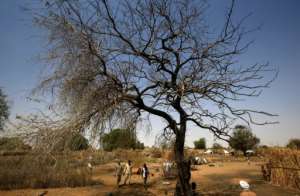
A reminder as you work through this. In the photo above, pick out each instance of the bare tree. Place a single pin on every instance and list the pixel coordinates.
(116, 60)
(42, 132)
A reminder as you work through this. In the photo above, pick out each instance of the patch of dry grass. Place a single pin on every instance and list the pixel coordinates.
(42, 171)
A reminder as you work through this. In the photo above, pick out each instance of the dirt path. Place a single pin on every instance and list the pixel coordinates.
(223, 179)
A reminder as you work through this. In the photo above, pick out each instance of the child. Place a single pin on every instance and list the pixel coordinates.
(145, 174)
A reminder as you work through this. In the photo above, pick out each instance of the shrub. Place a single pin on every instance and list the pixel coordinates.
(120, 138)
(139, 145)
(78, 142)
(200, 144)
(156, 153)
(294, 144)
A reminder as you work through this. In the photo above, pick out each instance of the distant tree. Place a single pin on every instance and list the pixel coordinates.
(243, 139)
(217, 146)
(294, 144)
(139, 145)
(4, 109)
(200, 144)
(120, 138)
(77, 142)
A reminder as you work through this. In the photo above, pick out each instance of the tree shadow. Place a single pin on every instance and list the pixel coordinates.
(134, 189)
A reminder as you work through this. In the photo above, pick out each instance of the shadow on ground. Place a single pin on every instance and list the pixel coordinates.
(132, 189)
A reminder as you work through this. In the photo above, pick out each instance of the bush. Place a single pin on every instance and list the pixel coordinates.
(156, 153)
(71, 142)
(139, 145)
(200, 144)
(78, 142)
(120, 138)
(294, 144)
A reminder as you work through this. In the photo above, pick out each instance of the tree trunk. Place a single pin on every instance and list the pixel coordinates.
(183, 166)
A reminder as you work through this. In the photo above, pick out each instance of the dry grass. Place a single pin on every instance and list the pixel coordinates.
(284, 167)
(42, 171)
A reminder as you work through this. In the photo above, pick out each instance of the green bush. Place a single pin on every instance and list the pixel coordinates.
(120, 138)
(294, 144)
(200, 144)
(78, 142)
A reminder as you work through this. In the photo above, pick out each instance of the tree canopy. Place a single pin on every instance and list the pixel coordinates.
(294, 143)
(4, 109)
(77, 142)
(243, 139)
(120, 138)
(200, 144)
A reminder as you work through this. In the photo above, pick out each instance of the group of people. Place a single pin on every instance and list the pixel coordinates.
(126, 171)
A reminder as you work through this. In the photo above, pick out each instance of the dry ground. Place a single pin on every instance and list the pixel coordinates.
(222, 179)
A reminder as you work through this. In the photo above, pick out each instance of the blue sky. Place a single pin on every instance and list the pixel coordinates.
(278, 42)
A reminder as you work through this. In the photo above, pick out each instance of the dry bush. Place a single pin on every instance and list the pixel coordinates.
(156, 153)
(95, 157)
(136, 156)
(42, 171)
(101, 157)
(284, 166)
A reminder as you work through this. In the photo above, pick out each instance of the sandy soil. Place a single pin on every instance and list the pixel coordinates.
(222, 179)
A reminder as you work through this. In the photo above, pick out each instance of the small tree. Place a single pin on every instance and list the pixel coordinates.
(200, 144)
(120, 138)
(4, 109)
(243, 139)
(77, 142)
(294, 144)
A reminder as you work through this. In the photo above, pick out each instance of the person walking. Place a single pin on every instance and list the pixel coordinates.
(119, 172)
(145, 174)
(128, 172)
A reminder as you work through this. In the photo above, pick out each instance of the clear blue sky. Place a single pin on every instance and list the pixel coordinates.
(278, 42)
